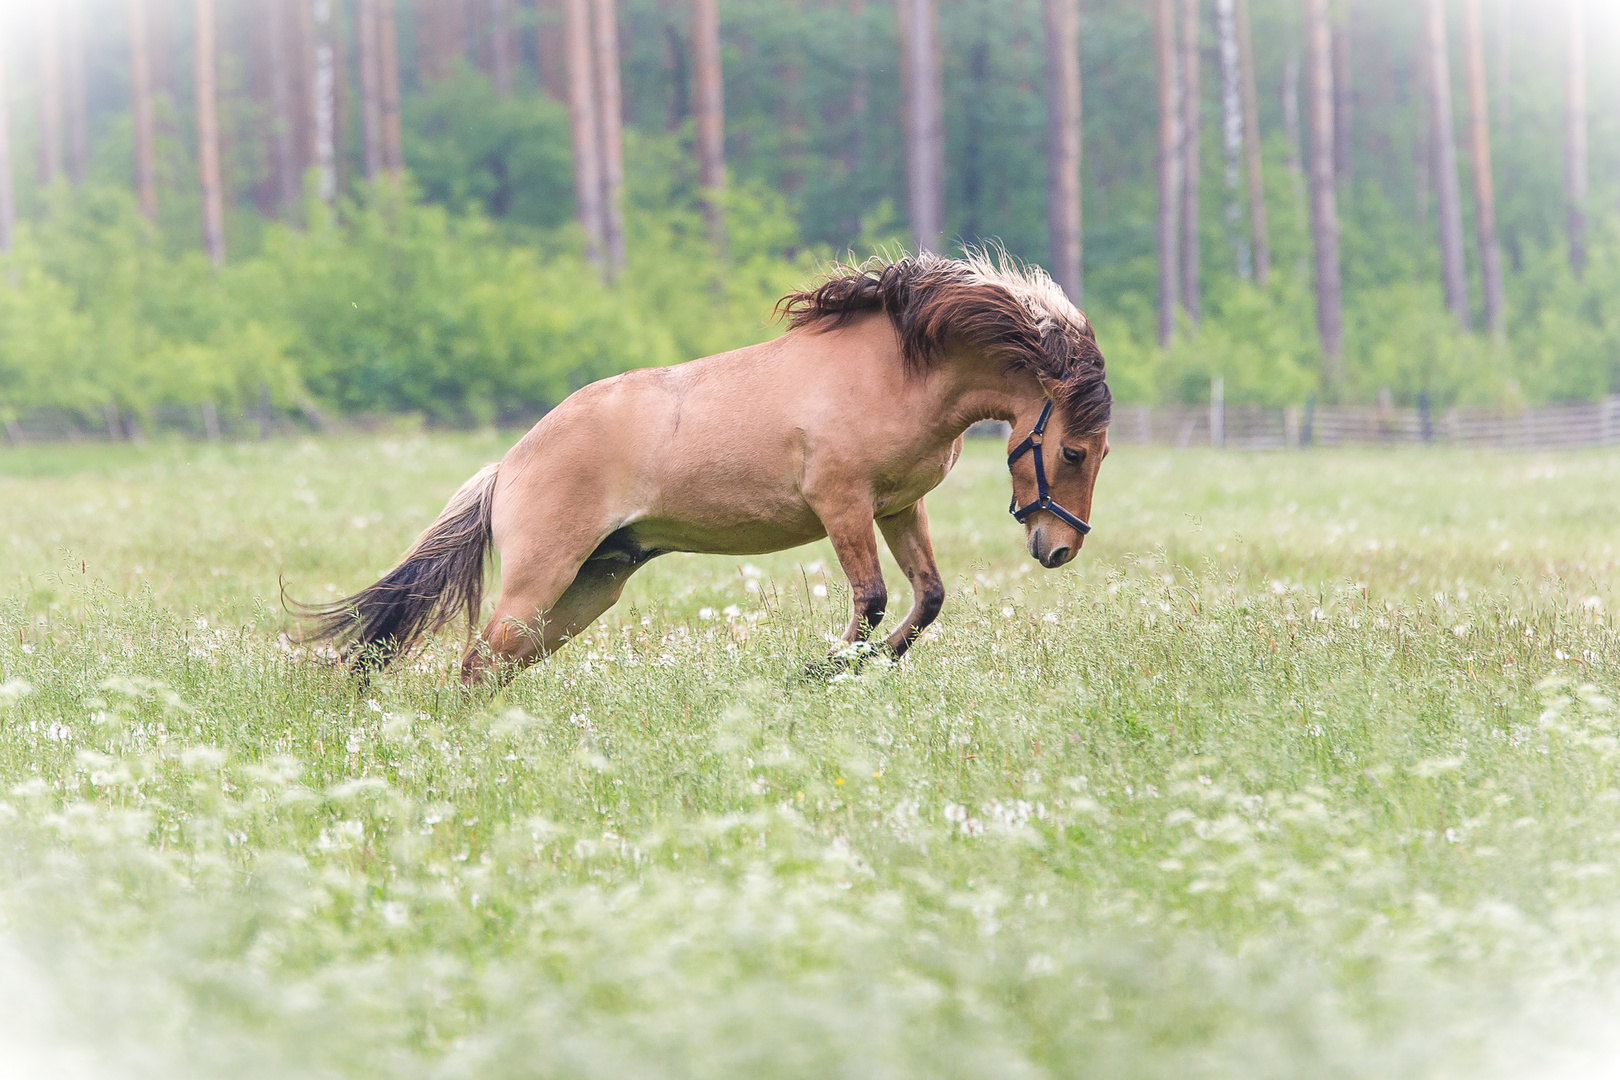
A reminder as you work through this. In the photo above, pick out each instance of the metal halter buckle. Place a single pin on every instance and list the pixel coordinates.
(1043, 497)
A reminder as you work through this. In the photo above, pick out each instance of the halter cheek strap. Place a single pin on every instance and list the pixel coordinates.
(1043, 497)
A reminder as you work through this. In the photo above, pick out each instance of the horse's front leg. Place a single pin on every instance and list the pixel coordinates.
(907, 536)
(855, 543)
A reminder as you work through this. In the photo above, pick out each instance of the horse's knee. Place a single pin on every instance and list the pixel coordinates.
(930, 598)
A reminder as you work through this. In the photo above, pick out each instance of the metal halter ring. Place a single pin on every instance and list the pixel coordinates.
(1043, 497)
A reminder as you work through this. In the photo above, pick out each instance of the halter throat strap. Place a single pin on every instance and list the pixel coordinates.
(1043, 496)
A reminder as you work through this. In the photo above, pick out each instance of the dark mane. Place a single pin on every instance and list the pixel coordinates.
(1011, 313)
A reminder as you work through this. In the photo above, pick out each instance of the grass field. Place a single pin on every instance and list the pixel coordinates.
(1307, 767)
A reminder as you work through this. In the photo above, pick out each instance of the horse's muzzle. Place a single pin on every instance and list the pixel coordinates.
(1048, 556)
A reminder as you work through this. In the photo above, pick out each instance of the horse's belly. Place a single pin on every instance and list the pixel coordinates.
(738, 536)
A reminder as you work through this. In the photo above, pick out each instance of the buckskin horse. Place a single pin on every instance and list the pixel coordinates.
(846, 420)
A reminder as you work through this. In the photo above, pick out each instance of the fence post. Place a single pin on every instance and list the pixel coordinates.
(14, 431)
(1305, 428)
(264, 412)
(210, 417)
(1425, 417)
(1606, 419)
(1217, 412)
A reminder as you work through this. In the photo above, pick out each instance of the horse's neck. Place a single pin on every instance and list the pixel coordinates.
(972, 389)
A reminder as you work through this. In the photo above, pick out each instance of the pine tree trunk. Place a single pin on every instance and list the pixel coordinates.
(551, 49)
(708, 114)
(583, 126)
(140, 80)
(51, 165)
(323, 99)
(922, 92)
(1342, 92)
(1063, 144)
(855, 144)
(388, 59)
(370, 87)
(1191, 160)
(1448, 195)
(500, 47)
(1324, 199)
(1479, 146)
(1258, 227)
(1575, 136)
(1423, 150)
(428, 37)
(1290, 112)
(610, 125)
(1168, 167)
(302, 15)
(208, 177)
(790, 77)
(8, 200)
(1232, 134)
(74, 98)
(452, 34)
(283, 157)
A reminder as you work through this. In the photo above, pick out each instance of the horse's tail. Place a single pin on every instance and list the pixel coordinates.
(440, 577)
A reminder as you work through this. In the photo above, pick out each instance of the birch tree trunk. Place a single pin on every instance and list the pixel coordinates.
(1324, 199)
(1063, 144)
(1448, 195)
(583, 127)
(140, 85)
(1168, 167)
(1258, 227)
(1191, 160)
(500, 47)
(388, 55)
(323, 99)
(551, 49)
(203, 87)
(370, 87)
(1575, 137)
(8, 201)
(1479, 146)
(74, 98)
(610, 125)
(708, 114)
(923, 91)
(1232, 134)
(50, 93)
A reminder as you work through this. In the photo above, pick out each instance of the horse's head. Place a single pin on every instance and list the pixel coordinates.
(1054, 465)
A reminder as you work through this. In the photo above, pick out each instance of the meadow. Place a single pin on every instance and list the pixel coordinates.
(1308, 766)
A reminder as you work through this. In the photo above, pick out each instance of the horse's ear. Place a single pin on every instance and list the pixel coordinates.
(1052, 386)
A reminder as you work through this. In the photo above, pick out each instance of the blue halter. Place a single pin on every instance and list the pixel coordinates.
(1043, 497)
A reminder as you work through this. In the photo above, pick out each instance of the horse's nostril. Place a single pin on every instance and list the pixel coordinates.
(1057, 557)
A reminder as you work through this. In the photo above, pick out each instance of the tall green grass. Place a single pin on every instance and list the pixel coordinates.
(1307, 767)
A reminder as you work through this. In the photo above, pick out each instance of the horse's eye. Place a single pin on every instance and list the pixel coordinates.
(1071, 456)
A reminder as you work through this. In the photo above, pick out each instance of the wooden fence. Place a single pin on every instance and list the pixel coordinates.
(1255, 427)
(1234, 427)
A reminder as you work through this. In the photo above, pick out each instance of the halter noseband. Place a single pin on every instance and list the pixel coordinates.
(1043, 497)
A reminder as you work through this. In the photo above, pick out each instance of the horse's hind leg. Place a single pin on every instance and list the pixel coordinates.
(907, 535)
(526, 628)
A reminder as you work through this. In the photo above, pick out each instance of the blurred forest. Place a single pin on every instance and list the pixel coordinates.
(467, 208)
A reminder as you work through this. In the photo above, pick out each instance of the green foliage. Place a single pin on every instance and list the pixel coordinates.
(388, 304)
